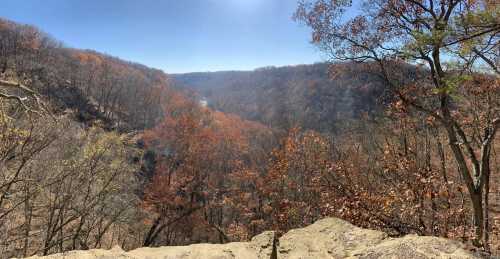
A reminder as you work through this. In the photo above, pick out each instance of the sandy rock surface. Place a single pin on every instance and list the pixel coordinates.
(327, 238)
(335, 238)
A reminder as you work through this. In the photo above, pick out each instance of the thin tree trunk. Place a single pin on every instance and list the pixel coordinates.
(486, 213)
(478, 217)
(28, 213)
(473, 182)
(444, 173)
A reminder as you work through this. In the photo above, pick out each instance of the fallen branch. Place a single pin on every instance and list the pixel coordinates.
(22, 100)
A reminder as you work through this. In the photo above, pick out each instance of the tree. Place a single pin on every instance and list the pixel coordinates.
(177, 190)
(292, 186)
(204, 181)
(64, 188)
(431, 34)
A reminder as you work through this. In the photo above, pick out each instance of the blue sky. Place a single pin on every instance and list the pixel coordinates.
(175, 35)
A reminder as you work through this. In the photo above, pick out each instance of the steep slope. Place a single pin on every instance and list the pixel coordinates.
(120, 94)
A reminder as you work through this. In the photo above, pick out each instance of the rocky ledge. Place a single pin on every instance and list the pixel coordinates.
(327, 238)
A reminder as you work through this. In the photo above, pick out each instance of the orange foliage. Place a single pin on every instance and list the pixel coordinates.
(203, 168)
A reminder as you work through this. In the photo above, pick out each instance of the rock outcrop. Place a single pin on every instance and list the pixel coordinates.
(261, 246)
(327, 238)
(335, 238)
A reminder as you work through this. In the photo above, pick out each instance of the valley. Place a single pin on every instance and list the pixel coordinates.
(393, 137)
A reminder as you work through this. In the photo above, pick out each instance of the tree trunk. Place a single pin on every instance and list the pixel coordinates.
(478, 217)
(486, 214)
(148, 239)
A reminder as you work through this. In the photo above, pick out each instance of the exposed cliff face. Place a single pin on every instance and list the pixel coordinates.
(327, 238)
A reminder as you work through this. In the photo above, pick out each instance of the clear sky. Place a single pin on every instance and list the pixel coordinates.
(175, 35)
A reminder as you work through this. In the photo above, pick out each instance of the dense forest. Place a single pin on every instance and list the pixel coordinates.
(96, 151)
(284, 97)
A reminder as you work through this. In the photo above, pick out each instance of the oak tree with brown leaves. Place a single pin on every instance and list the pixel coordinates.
(431, 34)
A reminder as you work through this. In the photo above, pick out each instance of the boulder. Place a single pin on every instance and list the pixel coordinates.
(335, 238)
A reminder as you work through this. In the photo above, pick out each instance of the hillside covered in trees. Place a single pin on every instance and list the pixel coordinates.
(96, 85)
(284, 97)
(389, 135)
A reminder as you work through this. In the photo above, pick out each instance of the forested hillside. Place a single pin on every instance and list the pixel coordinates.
(68, 179)
(398, 133)
(284, 97)
(122, 94)
(98, 152)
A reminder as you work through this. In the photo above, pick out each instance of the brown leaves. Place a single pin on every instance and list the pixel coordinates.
(203, 161)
